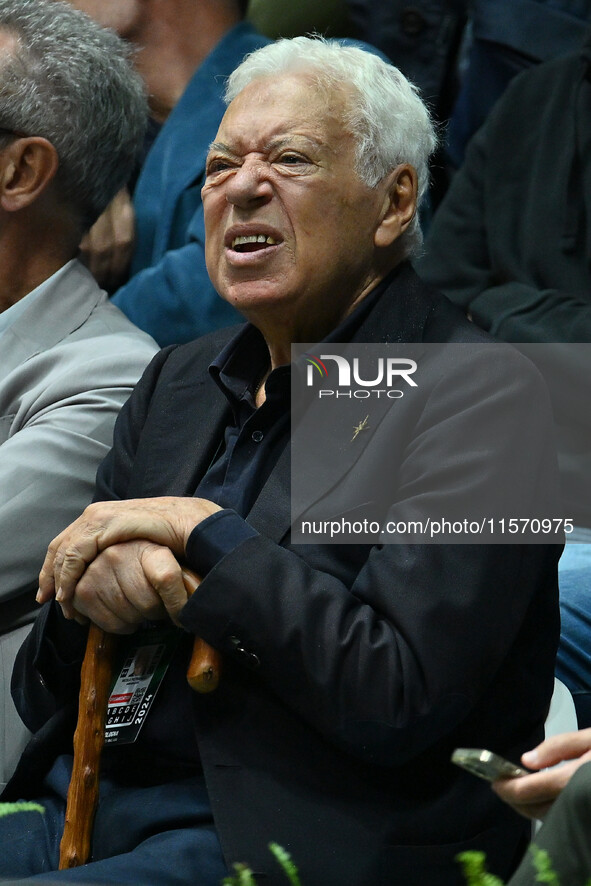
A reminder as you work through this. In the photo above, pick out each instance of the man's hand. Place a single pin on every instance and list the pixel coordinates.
(126, 584)
(107, 247)
(167, 522)
(533, 795)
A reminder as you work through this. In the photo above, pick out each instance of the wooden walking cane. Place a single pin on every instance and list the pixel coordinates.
(95, 681)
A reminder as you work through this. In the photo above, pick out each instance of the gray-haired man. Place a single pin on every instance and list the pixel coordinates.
(72, 118)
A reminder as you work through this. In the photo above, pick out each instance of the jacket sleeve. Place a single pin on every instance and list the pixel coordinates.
(456, 259)
(48, 461)
(46, 673)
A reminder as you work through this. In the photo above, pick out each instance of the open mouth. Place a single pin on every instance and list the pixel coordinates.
(252, 243)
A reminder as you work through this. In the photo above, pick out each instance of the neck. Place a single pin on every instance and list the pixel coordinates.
(23, 268)
(281, 331)
(174, 38)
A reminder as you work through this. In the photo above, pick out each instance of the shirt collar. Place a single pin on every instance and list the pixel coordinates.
(240, 364)
(245, 358)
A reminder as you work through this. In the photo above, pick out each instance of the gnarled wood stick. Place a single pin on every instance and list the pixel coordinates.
(95, 681)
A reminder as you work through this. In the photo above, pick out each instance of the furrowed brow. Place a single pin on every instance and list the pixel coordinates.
(289, 140)
(221, 148)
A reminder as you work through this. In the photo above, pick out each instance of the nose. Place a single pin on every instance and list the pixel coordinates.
(249, 184)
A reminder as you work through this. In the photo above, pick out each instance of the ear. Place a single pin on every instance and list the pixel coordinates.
(27, 166)
(399, 205)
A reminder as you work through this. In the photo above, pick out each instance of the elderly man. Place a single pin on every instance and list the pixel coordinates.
(350, 671)
(72, 117)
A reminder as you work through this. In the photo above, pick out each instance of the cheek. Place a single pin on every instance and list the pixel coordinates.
(212, 253)
(213, 223)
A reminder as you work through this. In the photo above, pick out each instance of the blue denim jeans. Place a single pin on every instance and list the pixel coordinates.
(160, 835)
(573, 663)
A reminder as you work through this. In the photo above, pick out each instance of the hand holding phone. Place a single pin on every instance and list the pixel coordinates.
(485, 764)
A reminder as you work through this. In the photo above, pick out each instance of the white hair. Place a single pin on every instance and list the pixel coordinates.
(386, 116)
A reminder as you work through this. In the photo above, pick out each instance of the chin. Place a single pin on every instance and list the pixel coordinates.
(255, 295)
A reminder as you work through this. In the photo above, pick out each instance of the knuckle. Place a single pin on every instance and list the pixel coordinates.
(84, 596)
(69, 564)
(45, 574)
(167, 576)
(114, 556)
(53, 546)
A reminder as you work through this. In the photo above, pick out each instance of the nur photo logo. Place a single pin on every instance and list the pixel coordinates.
(378, 377)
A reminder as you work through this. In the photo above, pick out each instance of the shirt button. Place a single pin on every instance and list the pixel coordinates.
(257, 436)
(248, 658)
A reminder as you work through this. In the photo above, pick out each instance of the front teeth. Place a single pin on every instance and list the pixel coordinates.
(253, 238)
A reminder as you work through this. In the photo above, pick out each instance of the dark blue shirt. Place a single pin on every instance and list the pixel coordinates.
(256, 438)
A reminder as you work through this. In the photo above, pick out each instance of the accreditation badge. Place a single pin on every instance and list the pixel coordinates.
(141, 661)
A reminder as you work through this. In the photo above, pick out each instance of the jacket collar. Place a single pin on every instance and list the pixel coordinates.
(64, 304)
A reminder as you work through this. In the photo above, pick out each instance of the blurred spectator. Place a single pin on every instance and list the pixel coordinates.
(421, 38)
(462, 54)
(72, 115)
(185, 52)
(559, 792)
(510, 245)
(507, 37)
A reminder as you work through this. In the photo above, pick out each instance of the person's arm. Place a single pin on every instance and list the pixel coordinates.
(107, 247)
(48, 464)
(456, 257)
(489, 280)
(533, 795)
(517, 312)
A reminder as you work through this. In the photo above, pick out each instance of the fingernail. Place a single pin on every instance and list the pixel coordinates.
(530, 758)
(60, 595)
(38, 596)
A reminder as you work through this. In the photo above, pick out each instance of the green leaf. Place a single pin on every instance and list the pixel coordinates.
(543, 865)
(474, 871)
(284, 859)
(242, 877)
(21, 806)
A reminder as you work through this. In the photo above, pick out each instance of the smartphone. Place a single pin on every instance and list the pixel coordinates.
(485, 764)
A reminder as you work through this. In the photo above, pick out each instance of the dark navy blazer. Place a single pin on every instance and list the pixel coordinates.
(351, 672)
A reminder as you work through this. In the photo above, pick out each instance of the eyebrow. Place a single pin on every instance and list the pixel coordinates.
(221, 148)
(278, 142)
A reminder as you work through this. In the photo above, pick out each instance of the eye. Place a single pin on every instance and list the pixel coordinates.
(217, 165)
(290, 158)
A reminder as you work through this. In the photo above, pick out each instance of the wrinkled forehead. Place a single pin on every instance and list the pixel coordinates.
(292, 103)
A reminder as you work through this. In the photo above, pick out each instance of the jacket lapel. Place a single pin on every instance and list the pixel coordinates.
(188, 424)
